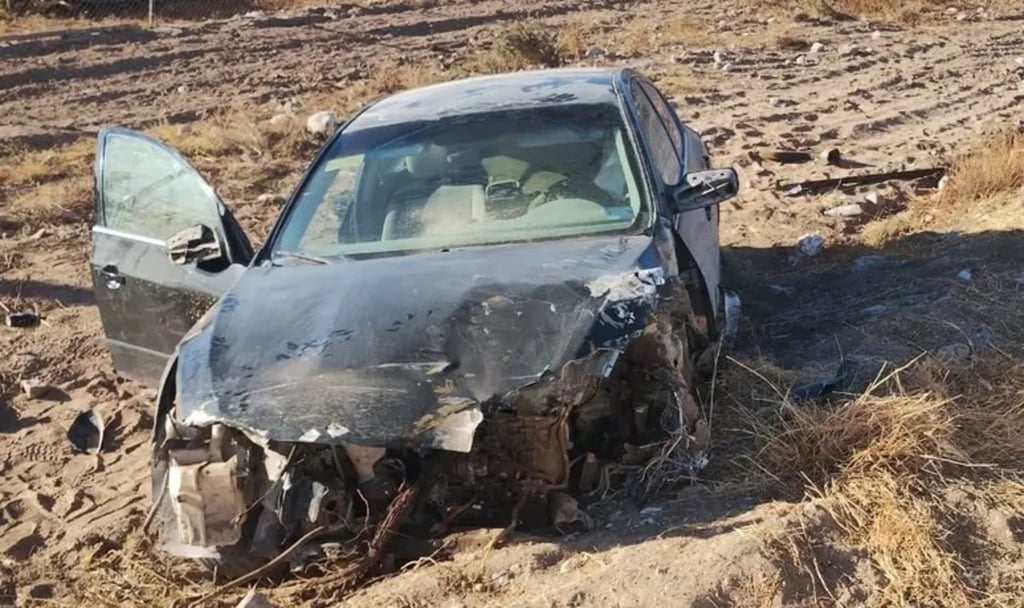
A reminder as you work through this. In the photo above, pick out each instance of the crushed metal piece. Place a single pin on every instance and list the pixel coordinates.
(22, 319)
(34, 389)
(87, 431)
(207, 499)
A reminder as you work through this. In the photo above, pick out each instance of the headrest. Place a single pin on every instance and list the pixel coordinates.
(432, 161)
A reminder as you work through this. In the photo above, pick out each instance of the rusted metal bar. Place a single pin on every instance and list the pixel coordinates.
(825, 185)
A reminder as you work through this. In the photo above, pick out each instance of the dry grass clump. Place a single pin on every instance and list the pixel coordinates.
(904, 12)
(884, 465)
(984, 191)
(992, 167)
(521, 46)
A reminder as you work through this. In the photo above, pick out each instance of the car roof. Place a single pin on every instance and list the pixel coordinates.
(513, 91)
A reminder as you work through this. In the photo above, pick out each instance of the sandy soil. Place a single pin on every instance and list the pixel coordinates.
(887, 98)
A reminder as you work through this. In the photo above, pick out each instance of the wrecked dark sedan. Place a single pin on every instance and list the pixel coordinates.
(484, 296)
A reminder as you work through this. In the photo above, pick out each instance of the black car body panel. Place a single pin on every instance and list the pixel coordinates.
(381, 352)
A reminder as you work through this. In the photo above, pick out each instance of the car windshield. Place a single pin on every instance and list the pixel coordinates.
(498, 177)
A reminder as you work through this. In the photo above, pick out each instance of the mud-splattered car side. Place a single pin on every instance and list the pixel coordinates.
(482, 292)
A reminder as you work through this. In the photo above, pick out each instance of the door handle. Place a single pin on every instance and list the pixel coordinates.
(111, 277)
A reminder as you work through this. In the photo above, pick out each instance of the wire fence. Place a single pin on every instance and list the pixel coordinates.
(151, 10)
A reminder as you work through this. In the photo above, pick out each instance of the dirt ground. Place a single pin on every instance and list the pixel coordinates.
(888, 97)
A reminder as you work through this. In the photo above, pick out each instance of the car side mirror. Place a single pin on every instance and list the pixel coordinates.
(194, 245)
(702, 189)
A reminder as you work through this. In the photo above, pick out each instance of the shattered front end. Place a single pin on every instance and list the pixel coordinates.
(526, 401)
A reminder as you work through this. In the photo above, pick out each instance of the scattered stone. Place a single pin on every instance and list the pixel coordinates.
(801, 60)
(872, 197)
(183, 89)
(965, 275)
(796, 190)
(875, 35)
(727, 67)
(254, 600)
(851, 210)
(35, 389)
(322, 123)
(718, 57)
(596, 52)
(1019, 61)
(811, 244)
(817, 47)
(867, 262)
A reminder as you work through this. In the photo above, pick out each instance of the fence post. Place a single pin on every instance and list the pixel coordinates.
(151, 12)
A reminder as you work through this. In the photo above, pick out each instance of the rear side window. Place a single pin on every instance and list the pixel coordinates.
(663, 139)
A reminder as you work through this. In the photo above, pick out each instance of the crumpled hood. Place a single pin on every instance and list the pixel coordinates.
(404, 349)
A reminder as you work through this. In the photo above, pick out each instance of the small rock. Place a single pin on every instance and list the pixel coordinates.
(961, 17)
(322, 123)
(965, 275)
(872, 197)
(718, 57)
(811, 244)
(1019, 61)
(817, 47)
(183, 89)
(727, 67)
(795, 190)
(867, 262)
(595, 52)
(34, 389)
(254, 600)
(38, 234)
(875, 35)
(801, 60)
(952, 10)
(648, 511)
(851, 210)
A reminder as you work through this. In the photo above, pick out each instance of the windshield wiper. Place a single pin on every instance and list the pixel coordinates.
(296, 255)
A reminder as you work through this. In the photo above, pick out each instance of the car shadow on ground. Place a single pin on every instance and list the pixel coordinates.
(68, 295)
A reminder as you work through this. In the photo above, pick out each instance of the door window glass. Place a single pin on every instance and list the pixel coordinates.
(664, 151)
(147, 190)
